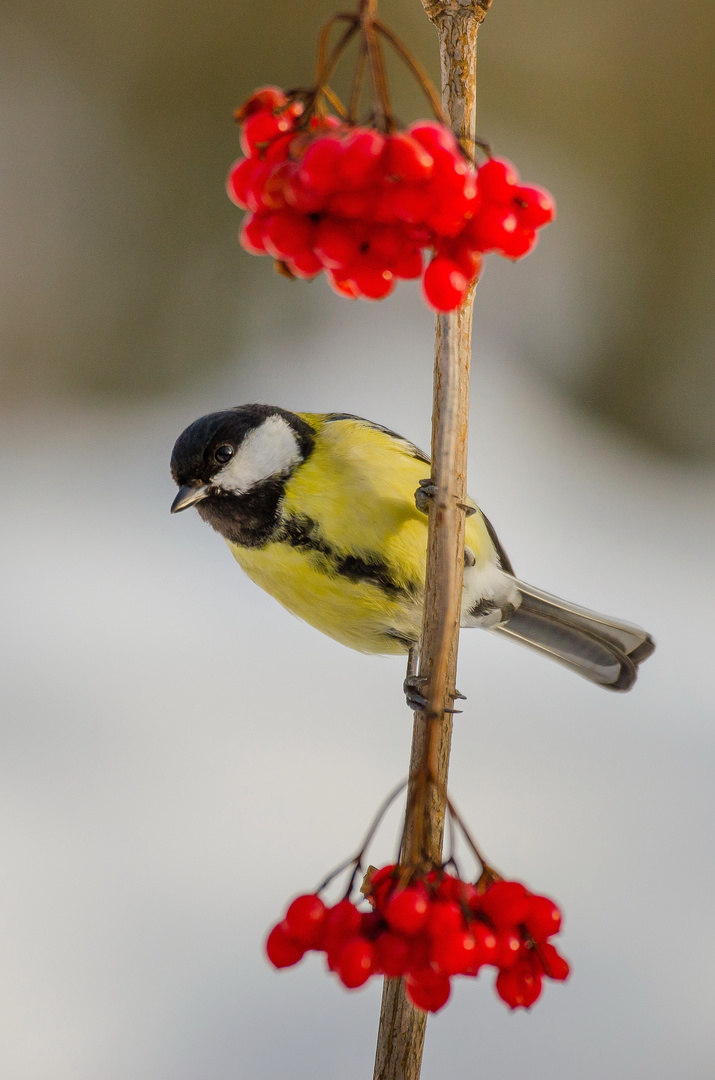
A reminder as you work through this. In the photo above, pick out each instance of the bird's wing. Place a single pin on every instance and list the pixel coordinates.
(410, 448)
(358, 487)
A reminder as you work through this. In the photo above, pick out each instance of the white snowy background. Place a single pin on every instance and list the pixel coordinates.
(180, 756)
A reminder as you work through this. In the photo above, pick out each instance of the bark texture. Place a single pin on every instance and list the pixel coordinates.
(402, 1028)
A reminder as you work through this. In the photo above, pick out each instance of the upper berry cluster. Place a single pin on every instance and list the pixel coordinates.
(427, 932)
(366, 206)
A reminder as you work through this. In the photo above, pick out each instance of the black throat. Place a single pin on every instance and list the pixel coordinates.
(250, 520)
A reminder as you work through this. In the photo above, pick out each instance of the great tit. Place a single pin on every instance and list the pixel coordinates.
(327, 513)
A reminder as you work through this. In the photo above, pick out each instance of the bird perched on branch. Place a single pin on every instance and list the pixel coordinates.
(328, 514)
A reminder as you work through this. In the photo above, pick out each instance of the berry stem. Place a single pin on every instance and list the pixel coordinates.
(376, 61)
(356, 860)
(415, 67)
(325, 65)
(401, 1033)
(358, 79)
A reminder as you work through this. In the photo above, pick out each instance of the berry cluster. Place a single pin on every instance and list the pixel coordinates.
(427, 932)
(364, 206)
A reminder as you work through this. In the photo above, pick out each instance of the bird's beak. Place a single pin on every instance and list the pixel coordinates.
(188, 495)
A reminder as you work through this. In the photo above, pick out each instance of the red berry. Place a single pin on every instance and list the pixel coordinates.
(450, 171)
(419, 958)
(337, 243)
(318, 169)
(409, 266)
(387, 243)
(239, 180)
(520, 986)
(371, 924)
(492, 227)
(355, 962)
(454, 953)
(254, 191)
(294, 110)
(353, 204)
(260, 129)
(410, 203)
(497, 180)
(407, 911)
(253, 232)
(469, 261)
(264, 99)
(360, 158)
(487, 949)
(427, 990)
(434, 136)
(451, 888)
(381, 883)
(455, 205)
(506, 904)
(342, 921)
(393, 954)
(305, 265)
(305, 918)
(325, 123)
(405, 160)
(342, 284)
(273, 191)
(300, 197)
(554, 965)
(282, 950)
(509, 949)
(534, 206)
(289, 234)
(543, 918)
(445, 917)
(279, 150)
(520, 243)
(373, 282)
(444, 285)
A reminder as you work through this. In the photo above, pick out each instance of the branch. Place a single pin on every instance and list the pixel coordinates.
(401, 1033)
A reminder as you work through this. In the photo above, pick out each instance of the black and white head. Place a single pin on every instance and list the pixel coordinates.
(233, 467)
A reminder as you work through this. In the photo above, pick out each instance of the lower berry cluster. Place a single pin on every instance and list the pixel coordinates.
(365, 206)
(427, 932)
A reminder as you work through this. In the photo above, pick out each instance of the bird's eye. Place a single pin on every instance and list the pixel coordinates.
(224, 453)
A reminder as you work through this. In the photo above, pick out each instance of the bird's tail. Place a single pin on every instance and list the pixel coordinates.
(605, 651)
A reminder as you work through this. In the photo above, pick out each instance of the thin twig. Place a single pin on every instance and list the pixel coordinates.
(381, 87)
(415, 67)
(358, 78)
(400, 1038)
(324, 65)
(372, 829)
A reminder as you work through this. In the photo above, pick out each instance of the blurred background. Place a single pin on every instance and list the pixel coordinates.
(179, 756)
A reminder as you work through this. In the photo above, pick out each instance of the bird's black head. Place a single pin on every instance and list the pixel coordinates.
(233, 466)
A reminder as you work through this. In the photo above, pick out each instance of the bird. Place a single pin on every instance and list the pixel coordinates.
(328, 512)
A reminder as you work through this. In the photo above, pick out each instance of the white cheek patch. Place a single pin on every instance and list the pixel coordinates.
(267, 451)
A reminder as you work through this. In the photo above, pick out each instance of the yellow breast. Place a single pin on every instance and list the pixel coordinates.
(363, 583)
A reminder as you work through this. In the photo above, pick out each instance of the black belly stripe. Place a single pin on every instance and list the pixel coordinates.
(377, 573)
(301, 531)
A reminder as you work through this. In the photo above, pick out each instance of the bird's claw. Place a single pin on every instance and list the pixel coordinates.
(413, 687)
(426, 492)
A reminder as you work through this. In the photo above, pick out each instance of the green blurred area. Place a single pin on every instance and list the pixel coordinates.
(120, 268)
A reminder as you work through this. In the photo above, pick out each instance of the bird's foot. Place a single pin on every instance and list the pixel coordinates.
(426, 492)
(413, 688)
